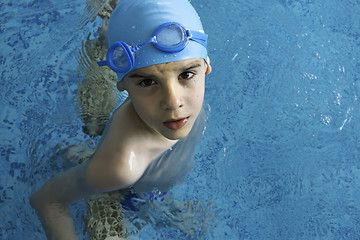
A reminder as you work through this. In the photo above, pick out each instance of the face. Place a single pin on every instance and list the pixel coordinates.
(168, 97)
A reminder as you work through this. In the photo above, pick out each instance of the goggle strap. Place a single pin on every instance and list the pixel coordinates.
(198, 37)
(102, 63)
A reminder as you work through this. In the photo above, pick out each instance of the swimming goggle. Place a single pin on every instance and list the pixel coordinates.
(169, 37)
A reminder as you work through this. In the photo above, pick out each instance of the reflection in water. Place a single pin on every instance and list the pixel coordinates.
(96, 8)
(97, 95)
(195, 219)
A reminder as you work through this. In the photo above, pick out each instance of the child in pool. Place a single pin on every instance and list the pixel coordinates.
(149, 139)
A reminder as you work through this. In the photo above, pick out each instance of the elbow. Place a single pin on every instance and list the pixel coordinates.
(38, 200)
(35, 201)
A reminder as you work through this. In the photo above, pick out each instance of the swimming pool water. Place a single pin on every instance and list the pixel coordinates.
(280, 156)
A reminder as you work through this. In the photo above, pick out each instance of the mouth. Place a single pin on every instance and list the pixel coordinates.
(175, 124)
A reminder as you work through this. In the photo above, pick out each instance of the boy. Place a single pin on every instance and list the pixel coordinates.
(158, 51)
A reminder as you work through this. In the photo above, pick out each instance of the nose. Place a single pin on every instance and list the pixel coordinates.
(172, 97)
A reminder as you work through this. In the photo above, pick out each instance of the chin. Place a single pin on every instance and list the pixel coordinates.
(177, 134)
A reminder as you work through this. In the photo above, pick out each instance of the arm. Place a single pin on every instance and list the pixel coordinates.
(52, 198)
(109, 169)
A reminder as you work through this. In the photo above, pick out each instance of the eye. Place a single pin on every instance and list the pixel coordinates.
(146, 83)
(186, 75)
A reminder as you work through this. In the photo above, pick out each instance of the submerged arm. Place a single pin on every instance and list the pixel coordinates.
(52, 199)
(115, 165)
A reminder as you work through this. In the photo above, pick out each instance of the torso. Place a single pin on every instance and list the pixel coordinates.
(175, 163)
(161, 164)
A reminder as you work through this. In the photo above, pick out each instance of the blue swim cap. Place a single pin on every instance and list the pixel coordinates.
(134, 21)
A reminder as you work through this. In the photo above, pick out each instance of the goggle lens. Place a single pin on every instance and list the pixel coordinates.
(119, 58)
(171, 36)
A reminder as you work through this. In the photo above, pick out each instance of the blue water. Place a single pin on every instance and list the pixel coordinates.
(280, 156)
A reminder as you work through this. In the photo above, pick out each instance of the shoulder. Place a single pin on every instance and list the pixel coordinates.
(118, 163)
(114, 173)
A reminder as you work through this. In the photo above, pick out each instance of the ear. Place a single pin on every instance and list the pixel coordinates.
(208, 66)
(120, 86)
